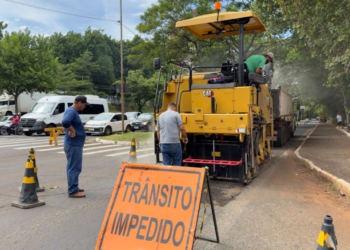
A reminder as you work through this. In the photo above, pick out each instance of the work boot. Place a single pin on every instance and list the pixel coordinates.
(77, 195)
(81, 189)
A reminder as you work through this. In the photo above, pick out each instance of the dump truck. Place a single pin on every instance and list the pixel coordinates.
(227, 112)
(283, 116)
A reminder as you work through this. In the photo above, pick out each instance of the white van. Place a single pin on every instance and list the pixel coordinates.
(48, 112)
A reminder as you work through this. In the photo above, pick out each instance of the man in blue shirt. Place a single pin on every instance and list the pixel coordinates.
(255, 63)
(73, 145)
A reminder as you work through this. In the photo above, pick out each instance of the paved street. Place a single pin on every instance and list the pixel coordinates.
(283, 200)
(40, 144)
(62, 223)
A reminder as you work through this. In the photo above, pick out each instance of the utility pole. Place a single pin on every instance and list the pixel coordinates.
(121, 66)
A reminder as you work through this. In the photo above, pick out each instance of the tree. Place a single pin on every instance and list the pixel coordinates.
(103, 75)
(2, 27)
(141, 90)
(83, 68)
(322, 27)
(26, 64)
(174, 45)
(104, 51)
(67, 47)
(67, 79)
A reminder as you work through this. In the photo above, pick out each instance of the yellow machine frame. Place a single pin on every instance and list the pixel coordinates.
(224, 119)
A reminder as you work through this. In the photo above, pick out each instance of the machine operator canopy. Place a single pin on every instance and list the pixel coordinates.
(222, 24)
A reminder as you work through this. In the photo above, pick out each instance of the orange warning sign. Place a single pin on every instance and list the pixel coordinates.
(152, 207)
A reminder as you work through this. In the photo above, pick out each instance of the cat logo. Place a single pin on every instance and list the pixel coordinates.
(208, 93)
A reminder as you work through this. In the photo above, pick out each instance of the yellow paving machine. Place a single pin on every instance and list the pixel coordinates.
(227, 113)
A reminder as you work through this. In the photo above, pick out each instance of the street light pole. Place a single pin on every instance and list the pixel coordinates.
(121, 67)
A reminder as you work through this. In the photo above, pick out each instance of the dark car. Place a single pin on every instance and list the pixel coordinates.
(132, 115)
(144, 122)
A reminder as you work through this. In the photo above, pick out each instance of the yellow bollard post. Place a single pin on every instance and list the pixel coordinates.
(132, 156)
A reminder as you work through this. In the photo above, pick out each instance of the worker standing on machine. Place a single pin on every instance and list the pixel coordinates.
(256, 63)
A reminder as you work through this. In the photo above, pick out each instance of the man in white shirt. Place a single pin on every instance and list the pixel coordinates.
(339, 121)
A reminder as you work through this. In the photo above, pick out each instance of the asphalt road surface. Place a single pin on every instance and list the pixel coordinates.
(283, 208)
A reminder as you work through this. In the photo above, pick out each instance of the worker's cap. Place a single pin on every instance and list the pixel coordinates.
(270, 54)
(82, 99)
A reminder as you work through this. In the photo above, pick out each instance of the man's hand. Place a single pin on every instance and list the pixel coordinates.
(71, 133)
(185, 140)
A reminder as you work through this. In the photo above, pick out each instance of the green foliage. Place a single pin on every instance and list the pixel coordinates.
(67, 80)
(2, 27)
(175, 46)
(103, 75)
(141, 90)
(26, 64)
(310, 41)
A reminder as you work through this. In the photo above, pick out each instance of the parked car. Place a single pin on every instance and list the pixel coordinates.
(5, 120)
(132, 115)
(144, 122)
(107, 123)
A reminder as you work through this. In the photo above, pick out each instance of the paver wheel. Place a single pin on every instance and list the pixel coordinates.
(252, 163)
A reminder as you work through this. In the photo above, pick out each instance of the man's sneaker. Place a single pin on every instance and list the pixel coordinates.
(77, 195)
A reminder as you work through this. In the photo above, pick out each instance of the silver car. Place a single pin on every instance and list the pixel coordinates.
(107, 123)
(5, 120)
(132, 115)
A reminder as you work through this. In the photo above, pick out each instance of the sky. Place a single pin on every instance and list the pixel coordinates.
(18, 15)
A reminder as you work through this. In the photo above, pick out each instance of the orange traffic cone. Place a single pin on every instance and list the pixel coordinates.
(132, 155)
(37, 185)
(28, 197)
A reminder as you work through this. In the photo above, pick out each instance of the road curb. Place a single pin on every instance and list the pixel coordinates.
(345, 132)
(343, 186)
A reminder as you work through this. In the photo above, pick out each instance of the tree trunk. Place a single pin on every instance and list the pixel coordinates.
(345, 105)
(15, 96)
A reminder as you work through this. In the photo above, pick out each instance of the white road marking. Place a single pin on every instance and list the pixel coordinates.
(101, 151)
(18, 144)
(109, 146)
(59, 147)
(21, 140)
(144, 156)
(140, 150)
(38, 144)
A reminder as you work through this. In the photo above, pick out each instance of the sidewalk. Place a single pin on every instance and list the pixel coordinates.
(327, 151)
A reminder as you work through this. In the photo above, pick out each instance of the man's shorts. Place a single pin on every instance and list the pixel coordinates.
(339, 123)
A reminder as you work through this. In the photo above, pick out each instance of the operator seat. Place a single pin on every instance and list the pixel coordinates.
(226, 68)
(257, 78)
(246, 81)
(226, 75)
